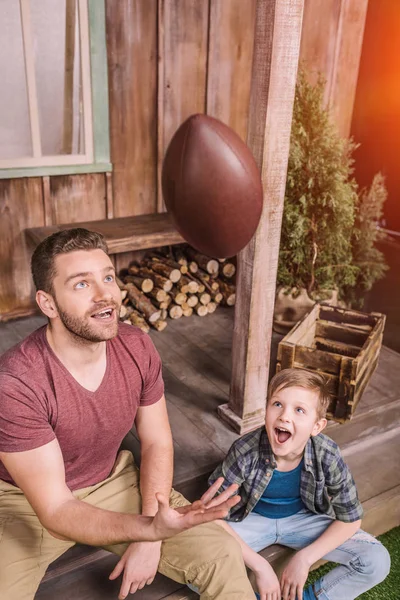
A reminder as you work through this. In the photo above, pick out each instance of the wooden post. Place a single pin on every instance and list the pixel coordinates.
(275, 62)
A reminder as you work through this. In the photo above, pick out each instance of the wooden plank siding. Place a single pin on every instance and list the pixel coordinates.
(131, 28)
(331, 44)
(230, 56)
(183, 42)
(166, 60)
(21, 206)
(78, 198)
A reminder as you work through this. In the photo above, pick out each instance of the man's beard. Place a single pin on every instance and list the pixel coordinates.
(82, 331)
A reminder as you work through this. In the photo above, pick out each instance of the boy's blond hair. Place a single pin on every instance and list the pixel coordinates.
(304, 378)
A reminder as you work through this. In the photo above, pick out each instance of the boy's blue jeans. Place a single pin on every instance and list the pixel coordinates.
(364, 561)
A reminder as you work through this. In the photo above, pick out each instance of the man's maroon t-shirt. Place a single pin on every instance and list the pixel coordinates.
(41, 401)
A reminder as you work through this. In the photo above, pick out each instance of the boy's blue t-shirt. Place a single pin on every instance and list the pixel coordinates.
(282, 496)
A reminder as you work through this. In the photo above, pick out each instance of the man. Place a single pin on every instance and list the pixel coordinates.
(69, 393)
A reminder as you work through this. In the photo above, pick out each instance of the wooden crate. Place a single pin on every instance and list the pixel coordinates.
(342, 344)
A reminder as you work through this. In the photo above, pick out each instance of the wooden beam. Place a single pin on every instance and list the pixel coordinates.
(275, 61)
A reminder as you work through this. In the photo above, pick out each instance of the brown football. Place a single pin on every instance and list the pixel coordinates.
(212, 187)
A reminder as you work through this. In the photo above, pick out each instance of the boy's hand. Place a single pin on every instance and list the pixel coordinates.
(294, 578)
(267, 582)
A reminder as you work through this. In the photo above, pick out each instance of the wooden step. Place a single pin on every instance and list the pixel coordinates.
(122, 234)
(372, 422)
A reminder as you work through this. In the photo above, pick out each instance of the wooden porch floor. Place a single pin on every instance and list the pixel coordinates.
(196, 355)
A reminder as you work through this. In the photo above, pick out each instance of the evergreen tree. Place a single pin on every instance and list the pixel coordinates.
(323, 242)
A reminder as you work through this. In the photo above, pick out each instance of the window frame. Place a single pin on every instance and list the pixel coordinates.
(97, 105)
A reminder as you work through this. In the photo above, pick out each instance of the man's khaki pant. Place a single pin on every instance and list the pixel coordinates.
(206, 556)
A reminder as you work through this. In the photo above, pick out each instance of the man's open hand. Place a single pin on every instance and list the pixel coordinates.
(169, 521)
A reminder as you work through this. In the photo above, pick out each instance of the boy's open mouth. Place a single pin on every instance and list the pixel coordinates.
(282, 434)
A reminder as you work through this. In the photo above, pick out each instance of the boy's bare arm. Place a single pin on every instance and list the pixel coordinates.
(267, 580)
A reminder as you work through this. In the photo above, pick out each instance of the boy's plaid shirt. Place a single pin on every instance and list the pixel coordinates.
(327, 486)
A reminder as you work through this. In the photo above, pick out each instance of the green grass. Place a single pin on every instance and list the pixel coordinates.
(388, 589)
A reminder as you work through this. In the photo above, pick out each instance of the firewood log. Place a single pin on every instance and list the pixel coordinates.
(210, 284)
(192, 300)
(201, 310)
(164, 314)
(142, 283)
(187, 285)
(175, 311)
(217, 298)
(158, 294)
(166, 260)
(200, 286)
(204, 298)
(211, 307)
(178, 296)
(125, 312)
(228, 292)
(179, 256)
(165, 303)
(159, 281)
(123, 294)
(187, 311)
(142, 303)
(159, 325)
(138, 321)
(228, 270)
(163, 269)
(210, 265)
(182, 286)
(193, 267)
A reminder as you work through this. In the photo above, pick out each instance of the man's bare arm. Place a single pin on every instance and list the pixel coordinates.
(41, 476)
(156, 466)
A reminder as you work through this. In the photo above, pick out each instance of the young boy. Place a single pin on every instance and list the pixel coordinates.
(297, 491)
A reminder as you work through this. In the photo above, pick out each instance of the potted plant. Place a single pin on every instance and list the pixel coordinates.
(329, 226)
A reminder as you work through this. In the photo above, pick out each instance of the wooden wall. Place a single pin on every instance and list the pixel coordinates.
(167, 59)
(331, 44)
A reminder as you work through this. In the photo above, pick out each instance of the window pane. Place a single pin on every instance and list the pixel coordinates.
(15, 134)
(55, 33)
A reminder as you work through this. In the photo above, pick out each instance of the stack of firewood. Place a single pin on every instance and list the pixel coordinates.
(174, 282)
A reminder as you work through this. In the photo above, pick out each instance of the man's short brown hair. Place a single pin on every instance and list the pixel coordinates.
(43, 263)
(307, 379)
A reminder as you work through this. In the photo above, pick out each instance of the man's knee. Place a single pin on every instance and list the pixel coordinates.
(209, 558)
